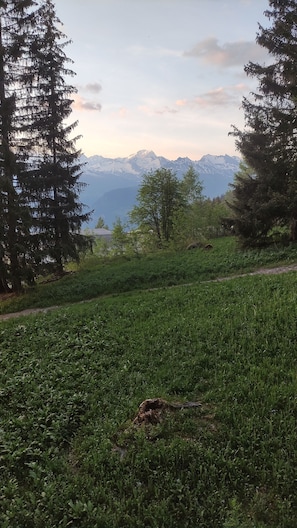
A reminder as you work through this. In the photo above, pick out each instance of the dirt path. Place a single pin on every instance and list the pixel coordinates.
(261, 271)
(29, 311)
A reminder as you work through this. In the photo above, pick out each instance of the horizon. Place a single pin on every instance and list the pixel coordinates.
(161, 156)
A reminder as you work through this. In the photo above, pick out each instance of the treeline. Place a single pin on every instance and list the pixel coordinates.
(40, 211)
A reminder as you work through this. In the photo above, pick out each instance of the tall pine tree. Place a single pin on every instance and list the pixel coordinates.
(269, 141)
(15, 25)
(52, 182)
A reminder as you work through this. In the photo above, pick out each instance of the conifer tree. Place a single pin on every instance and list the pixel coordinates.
(53, 180)
(269, 141)
(15, 25)
(246, 220)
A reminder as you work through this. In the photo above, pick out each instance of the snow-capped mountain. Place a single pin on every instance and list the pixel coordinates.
(112, 184)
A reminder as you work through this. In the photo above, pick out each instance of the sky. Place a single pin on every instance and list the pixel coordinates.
(161, 75)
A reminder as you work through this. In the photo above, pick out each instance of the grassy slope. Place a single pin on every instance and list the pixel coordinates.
(71, 382)
(104, 277)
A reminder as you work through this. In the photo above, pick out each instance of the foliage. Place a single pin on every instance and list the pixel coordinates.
(100, 246)
(186, 218)
(119, 238)
(71, 383)
(101, 224)
(40, 212)
(268, 143)
(14, 218)
(245, 218)
(191, 187)
(53, 182)
(159, 198)
(203, 220)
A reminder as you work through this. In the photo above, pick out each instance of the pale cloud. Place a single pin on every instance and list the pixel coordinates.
(221, 96)
(93, 87)
(166, 110)
(218, 97)
(145, 109)
(79, 103)
(90, 87)
(228, 54)
(181, 102)
(152, 109)
(121, 113)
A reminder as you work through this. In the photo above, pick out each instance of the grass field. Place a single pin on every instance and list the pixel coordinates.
(71, 381)
(96, 277)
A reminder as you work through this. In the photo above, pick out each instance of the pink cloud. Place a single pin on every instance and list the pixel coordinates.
(120, 113)
(81, 104)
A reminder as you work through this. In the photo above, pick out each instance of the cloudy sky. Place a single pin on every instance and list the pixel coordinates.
(161, 75)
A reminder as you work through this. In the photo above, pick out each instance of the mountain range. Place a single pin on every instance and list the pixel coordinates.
(112, 183)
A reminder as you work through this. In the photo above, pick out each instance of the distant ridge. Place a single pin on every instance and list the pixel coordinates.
(112, 183)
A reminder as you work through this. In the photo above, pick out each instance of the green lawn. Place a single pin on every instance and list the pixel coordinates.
(71, 382)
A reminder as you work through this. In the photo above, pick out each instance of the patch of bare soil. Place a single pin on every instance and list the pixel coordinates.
(151, 411)
(29, 311)
(261, 271)
(151, 418)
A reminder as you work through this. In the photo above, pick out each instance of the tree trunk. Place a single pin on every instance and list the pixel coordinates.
(7, 176)
(293, 229)
(4, 288)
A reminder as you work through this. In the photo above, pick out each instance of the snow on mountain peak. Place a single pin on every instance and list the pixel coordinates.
(146, 160)
(220, 162)
(112, 183)
(144, 154)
